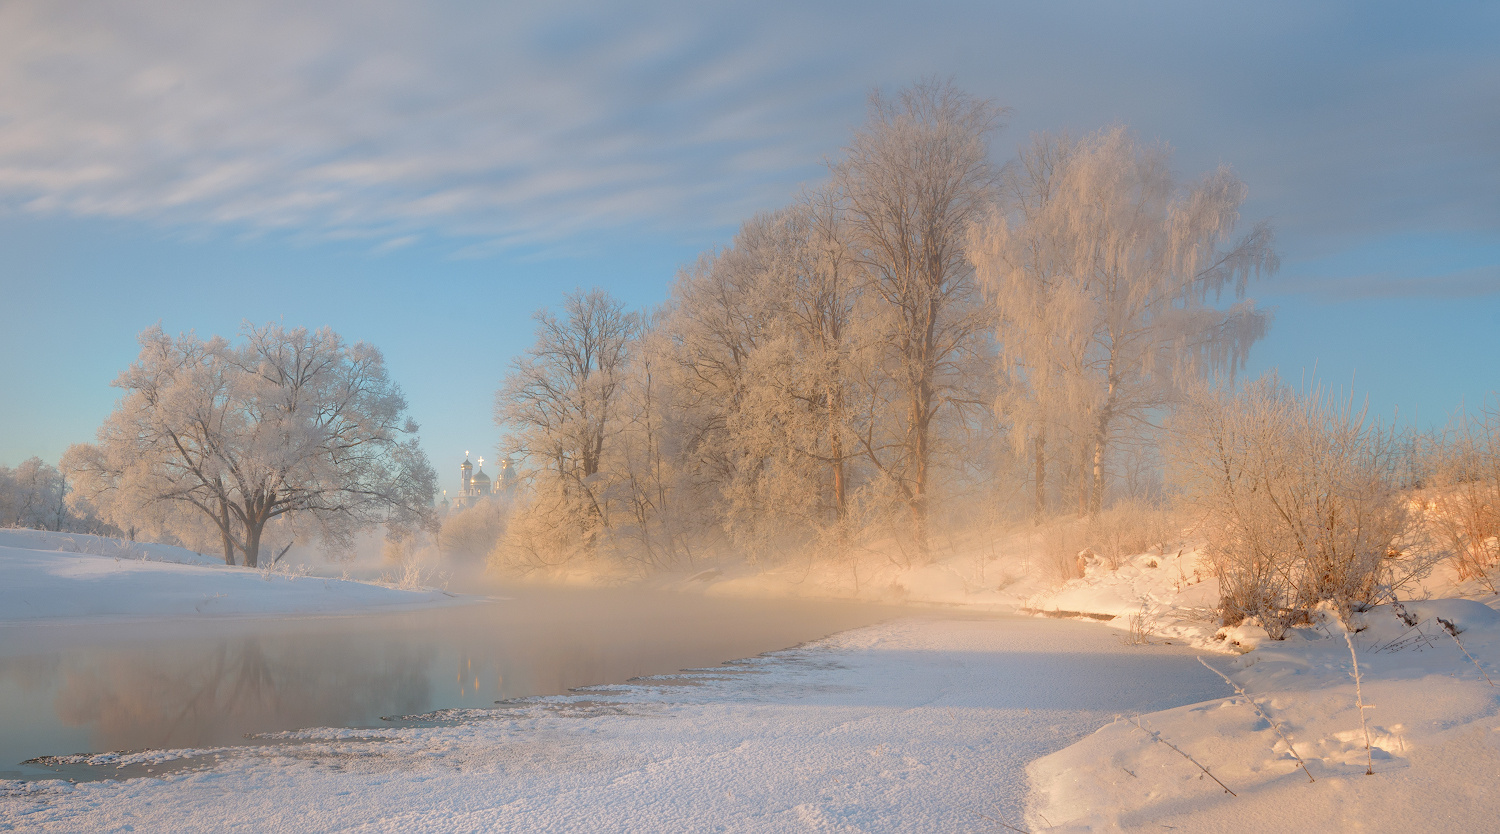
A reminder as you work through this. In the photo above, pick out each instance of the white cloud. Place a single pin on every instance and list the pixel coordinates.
(536, 122)
(454, 119)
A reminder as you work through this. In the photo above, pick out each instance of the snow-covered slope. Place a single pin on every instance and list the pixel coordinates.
(60, 576)
(1433, 731)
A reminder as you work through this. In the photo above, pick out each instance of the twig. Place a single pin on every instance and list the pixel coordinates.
(1156, 736)
(1453, 631)
(1275, 725)
(999, 822)
(1359, 701)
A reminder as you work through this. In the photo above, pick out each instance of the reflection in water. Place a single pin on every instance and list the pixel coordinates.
(189, 695)
(96, 688)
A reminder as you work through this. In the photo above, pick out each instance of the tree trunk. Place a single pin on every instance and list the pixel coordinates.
(1040, 447)
(920, 454)
(252, 542)
(1101, 438)
(836, 445)
(228, 542)
(1082, 476)
(1096, 486)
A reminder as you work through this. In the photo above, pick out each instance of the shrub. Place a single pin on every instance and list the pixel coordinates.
(1300, 496)
(471, 533)
(1463, 473)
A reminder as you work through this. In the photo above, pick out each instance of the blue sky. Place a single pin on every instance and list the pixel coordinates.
(424, 176)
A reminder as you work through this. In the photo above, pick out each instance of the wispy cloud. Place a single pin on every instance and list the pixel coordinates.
(466, 120)
(534, 123)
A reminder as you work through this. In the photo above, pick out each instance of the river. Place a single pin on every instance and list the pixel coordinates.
(94, 687)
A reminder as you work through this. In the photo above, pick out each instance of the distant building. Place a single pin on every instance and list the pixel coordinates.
(475, 486)
(508, 477)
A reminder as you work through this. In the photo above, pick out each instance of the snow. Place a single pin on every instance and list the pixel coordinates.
(924, 724)
(1434, 722)
(1433, 728)
(58, 576)
(957, 720)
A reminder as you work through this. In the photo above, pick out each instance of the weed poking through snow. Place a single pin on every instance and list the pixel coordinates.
(1359, 701)
(1142, 626)
(1454, 631)
(1156, 736)
(1275, 725)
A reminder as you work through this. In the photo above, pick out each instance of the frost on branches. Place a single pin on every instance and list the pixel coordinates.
(285, 434)
(1104, 272)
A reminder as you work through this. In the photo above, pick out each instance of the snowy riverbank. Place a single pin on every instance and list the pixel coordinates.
(925, 724)
(1433, 721)
(940, 721)
(52, 577)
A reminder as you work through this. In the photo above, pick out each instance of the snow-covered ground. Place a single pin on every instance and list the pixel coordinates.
(937, 722)
(1433, 715)
(1433, 732)
(925, 724)
(60, 576)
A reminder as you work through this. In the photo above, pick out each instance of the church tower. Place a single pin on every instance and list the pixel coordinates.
(466, 471)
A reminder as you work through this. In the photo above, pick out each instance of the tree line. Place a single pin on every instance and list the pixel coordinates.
(923, 342)
(922, 334)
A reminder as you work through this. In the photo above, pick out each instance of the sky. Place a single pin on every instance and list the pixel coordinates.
(425, 176)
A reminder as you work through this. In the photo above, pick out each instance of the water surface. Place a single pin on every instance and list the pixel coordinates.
(80, 688)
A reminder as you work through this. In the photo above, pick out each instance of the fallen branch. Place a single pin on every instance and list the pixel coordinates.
(1275, 725)
(1156, 736)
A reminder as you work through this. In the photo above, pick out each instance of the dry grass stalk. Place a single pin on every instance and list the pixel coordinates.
(1275, 725)
(1156, 736)
(1359, 700)
(1142, 626)
(1454, 631)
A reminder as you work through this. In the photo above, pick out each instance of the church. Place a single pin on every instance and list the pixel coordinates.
(477, 486)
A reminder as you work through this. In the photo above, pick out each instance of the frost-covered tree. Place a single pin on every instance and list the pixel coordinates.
(719, 319)
(560, 407)
(33, 495)
(915, 178)
(810, 367)
(289, 431)
(763, 336)
(1105, 272)
(650, 445)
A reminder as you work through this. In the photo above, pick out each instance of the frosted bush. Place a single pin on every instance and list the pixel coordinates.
(1463, 472)
(1300, 498)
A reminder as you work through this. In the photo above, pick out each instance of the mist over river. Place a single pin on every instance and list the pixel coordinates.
(94, 687)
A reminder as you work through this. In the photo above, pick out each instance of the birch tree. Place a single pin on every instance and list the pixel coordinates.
(290, 427)
(560, 408)
(914, 179)
(720, 317)
(816, 289)
(1105, 275)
